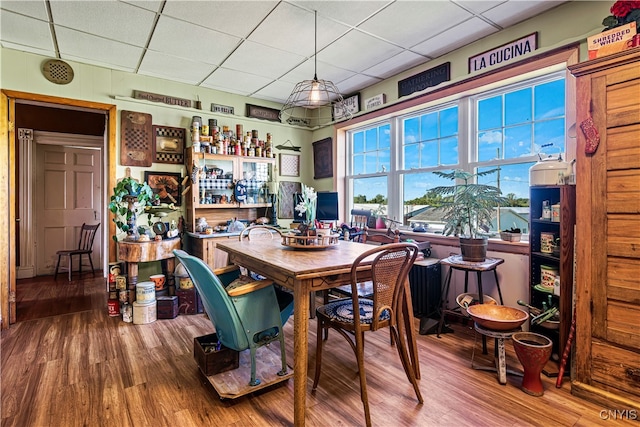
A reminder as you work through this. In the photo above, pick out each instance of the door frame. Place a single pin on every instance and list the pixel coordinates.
(8, 100)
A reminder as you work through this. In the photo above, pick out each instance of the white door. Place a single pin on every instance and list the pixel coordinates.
(67, 194)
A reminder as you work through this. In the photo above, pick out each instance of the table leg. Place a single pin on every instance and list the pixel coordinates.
(407, 313)
(481, 299)
(132, 272)
(500, 361)
(495, 272)
(301, 350)
(168, 268)
(443, 298)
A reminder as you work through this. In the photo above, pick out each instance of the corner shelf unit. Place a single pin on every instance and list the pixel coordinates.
(562, 260)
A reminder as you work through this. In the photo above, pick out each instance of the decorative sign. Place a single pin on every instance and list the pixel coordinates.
(611, 41)
(323, 158)
(168, 143)
(165, 99)
(431, 77)
(289, 164)
(264, 113)
(374, 101)
(505, 53)
(299, 121)
(225, 109)
(352, 105)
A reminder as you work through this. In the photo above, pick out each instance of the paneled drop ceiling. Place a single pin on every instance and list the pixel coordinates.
(260, 48)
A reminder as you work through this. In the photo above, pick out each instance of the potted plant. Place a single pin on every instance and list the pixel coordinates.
(128, 200)
(380, 216)
(468, 207)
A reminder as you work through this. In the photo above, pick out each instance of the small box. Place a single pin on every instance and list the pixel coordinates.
(167, 307)
(189, 301)
(211, 360)
(611, 41)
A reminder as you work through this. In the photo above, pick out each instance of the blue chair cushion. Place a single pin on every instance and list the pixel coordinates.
(342, 311)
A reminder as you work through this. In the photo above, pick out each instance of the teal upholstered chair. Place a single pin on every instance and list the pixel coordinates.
(245, 315)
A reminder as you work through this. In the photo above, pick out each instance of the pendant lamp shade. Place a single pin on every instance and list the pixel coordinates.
(314, 102)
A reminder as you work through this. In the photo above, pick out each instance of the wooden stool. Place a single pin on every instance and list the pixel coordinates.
(499, 355)
(455, 262)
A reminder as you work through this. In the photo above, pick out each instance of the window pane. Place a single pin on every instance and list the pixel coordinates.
(370, 163)
(358, 142)
(550, 132)
(429, 154)
(368, 191)
(384, 161)
(549, 100)
(429, 126)
(517, 141)
(385, 136)
(490, 113)
(417, 207)
(411, 130)
(358, 164)
(449, 122)
(489, 144)
(411, 156)
(371, 139)
(449, 151)
(517, 107)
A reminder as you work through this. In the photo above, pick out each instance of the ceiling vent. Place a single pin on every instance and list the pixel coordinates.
(57, 71)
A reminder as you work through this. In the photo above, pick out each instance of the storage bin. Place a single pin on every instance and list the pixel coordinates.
(189, 301)
(211, 360)
(167, 307)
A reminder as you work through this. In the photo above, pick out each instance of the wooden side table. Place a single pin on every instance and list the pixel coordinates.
(455, 262)
(134, 252)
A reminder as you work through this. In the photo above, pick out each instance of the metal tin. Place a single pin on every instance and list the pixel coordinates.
(144, 313)
(113, 306)
(145, 293)
(121, 282)
(127, 312)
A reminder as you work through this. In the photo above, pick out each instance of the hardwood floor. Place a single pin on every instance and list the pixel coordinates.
(88, 369)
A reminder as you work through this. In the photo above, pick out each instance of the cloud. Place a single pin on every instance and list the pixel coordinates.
(491, 137)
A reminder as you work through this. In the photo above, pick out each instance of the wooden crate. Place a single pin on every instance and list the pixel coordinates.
(211, 361)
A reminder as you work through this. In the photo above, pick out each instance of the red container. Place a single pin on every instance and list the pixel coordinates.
(113, 305)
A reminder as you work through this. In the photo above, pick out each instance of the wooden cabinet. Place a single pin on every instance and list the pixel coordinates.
(558, 228)
(228, 187)
(205, 249)
(607, 350)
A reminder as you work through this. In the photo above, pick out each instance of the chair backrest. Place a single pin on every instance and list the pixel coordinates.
(87, 234)
(256, 232)
(391, 236)
(215, 301)
(389, 273)
(360, 218)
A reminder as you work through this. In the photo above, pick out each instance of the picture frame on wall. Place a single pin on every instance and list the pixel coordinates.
(352, 103)
(289, 164)
(323, 158)
(166, 185)
(287, 189)
(168, 144)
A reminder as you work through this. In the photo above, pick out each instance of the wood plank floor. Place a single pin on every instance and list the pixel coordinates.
(88, 369)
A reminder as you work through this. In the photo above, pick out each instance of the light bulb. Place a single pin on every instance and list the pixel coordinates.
(314, 96)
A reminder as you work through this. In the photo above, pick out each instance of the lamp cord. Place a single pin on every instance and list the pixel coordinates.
(315, 45)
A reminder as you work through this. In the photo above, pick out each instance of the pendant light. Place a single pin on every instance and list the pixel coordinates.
(314, 102)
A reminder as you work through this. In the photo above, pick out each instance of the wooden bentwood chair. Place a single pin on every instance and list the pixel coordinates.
(353, 317)
(85, 247)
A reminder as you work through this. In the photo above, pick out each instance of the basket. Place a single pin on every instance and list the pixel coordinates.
(510, 237)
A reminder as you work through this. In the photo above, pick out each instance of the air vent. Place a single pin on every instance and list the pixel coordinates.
(58, 72)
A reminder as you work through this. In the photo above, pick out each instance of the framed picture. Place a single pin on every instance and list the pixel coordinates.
(352, 103)
(168, 144)
(323, 158)
(289, 164)
(166, 185)
(285, 198)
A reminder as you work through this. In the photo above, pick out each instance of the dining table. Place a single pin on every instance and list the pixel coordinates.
(305, 270)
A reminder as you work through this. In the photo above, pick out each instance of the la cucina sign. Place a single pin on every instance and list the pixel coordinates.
(503, 54)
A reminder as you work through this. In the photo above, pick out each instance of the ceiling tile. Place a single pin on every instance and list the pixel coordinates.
(96, 50)
(355, 83)
(512, 12)
(453, 38)
(25, 31)
(237, 18)
(194, 42)
(30, 49)
(291, 29)
(34, 9)
(418, 21)
(357, 51)
(263, 60)
(396, 64)
(240, 82)
(112, 20)
(277, 91)
(157, 64)
(350, 12)
(305, 71)
(478, 6)
(152, 5)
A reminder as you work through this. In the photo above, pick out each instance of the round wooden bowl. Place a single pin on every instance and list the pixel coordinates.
(474, 300)
(497, 317)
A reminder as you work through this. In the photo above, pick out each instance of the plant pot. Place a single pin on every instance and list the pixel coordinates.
(380, 223)
(473, 250)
